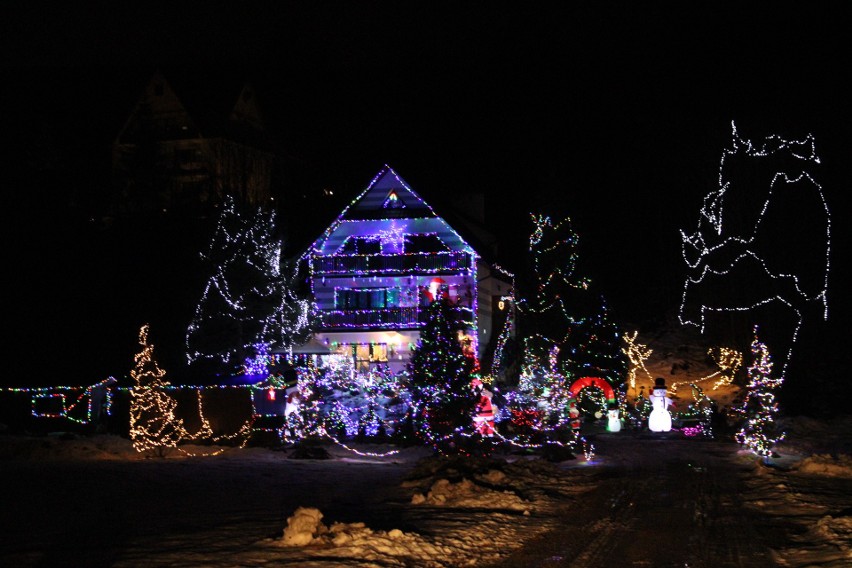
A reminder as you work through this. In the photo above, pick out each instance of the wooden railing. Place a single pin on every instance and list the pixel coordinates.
(429, 263)
(402, 318)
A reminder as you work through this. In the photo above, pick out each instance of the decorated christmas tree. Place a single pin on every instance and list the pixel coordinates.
(759, 432)
(153, 424)
(248, 303)
(539, 406)
(442, 400)
(568, 334)
(539, 403)
(594, 349)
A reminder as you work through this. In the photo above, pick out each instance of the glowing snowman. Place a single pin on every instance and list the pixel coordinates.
(660, 419)
(613, 421)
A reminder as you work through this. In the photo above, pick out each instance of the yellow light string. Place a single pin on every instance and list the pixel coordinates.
(637, 353)
(728, 360)
(154, 424)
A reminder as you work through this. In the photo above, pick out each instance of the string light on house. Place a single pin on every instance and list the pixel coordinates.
(385, 258)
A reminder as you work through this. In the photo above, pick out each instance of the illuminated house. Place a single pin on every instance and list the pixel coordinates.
(379, 265)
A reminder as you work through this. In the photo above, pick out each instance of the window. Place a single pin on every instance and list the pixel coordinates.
(365, 354)
(193, 191)
(188, 156)
(424, 243)
(362, 245)
(367, 299)
(393, 201)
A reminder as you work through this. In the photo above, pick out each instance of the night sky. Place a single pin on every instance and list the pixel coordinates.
(615, 114)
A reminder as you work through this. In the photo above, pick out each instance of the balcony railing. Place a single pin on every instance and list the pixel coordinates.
(385, 263)
(398, 318)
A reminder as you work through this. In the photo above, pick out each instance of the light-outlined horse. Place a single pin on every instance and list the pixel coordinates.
(762, 245)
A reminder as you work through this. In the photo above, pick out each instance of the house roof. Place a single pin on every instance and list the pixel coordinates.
(386, 196)
(211, 106)
(312, 347)
(374, 203)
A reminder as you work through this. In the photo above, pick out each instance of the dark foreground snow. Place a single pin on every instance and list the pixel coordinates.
(641, 501)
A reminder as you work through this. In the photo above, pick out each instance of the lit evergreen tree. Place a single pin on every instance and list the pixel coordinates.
(442, 400)
(248, 303)
(570, 333)
(759, 432)
(548, 305)
(544, 309)
(539, 404)
(594, 349)
(153, 424)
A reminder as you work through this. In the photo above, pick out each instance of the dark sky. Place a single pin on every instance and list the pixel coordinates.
(615, 113)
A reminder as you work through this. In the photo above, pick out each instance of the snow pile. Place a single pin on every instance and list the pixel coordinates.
(450, 548)
(824, 543)
(826, 465)
(483, 493)
(303, 527)
(466, 493)
(357, 541)
(837, 530)
(817, 447)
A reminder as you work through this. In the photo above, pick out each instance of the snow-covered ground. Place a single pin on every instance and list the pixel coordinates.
(640, 501)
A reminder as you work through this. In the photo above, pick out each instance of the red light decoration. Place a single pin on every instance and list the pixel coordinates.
(602, 384)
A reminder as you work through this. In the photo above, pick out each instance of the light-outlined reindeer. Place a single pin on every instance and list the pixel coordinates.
(762, 244)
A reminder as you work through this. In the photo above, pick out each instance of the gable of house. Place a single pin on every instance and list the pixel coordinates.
(388, 210)
(388, 195)
(158, 114)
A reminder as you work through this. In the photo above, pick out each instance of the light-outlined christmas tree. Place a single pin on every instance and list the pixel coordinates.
(248, 301)
(547, 306)
(153, 424)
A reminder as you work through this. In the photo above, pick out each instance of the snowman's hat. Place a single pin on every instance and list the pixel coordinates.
(659, 383)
